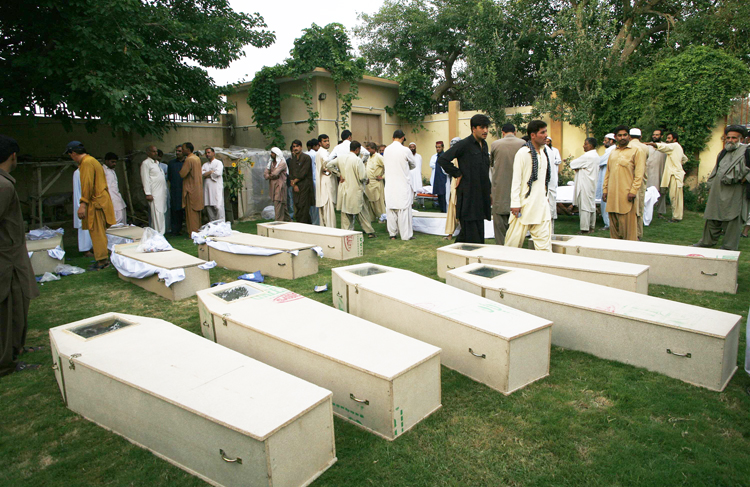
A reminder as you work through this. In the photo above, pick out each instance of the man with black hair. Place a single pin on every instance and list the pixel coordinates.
(622, 182)
(635, 140)
(110, 162)
(503, 153)
(398, 161)
(727, 204)
(213, 186)
(351, 200)
(176, 213)
(155, 187)
(655, 170)
(529, 202)
(312, 150)
(300, 174)
(375, 182)
(473, 203)
(342, 149)
(192, 188)
(325, 192)
(18, 284)
(674, 175)
(586, 168)
(95, 210)
(555, 159)
(438, 179)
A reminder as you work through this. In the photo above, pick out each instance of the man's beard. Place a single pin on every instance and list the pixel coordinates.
(622, 142)
(655, 139)
(731, 146)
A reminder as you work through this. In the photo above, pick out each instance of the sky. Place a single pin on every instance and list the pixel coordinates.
(287, 19)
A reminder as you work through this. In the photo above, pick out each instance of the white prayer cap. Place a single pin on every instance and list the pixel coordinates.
(610, 136)
(412, 144)
(635, 132)
(549, 138)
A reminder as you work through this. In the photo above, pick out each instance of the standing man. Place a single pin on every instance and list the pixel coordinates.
(381, 149)
(439, 179)
(609, 146)
(300, 173)
(375, 182)
(155, 187)
(674, 174)
(555, 161)
(192, 188)
(655, 170)
(398, 161)
(84, 238)
(529, 203)
(276, 174)
(312, 150)
(503, 153)
(165, 167)
(18, 286)
(621, 184)
(213, 186)
(351, 200)
(110, 162)
(95, 211)
(586, 168)
(415, 175)
(472, 175)
(635, 139)
(177, 214)
(325, 192)
(727, 204)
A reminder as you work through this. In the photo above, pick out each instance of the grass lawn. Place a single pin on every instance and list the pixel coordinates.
(591, 422)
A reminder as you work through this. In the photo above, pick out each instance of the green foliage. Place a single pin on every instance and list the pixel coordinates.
(234, 177)
(695, 199)
(414, 100)
(126, 63)
(264, 98)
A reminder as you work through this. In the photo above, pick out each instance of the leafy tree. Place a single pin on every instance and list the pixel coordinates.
(126, 63)
(414, 100)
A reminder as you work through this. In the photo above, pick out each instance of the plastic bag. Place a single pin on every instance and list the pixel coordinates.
(153, 241)
(252, 276)
(268, 213)
(47, 277)
(68, 270)
(212, 229)
(43, 233)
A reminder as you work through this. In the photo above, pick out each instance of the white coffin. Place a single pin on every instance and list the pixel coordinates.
(336, 243)
(284, 264)
(673, 265)
(620, 275)
(381, 380)
(693, 344)
(195, 278)
(41, 261)
(496, 345)
(123, 234)
(221, 416)
(433, 223)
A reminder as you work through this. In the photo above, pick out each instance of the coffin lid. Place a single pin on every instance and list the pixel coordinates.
(490, 252)
(169, 259)
(428, 214)
(44, 244)
(320, 329)
(644, 247)
(440, 299)
(602, 299)
(239, 238)
(307, 228)
(131, 231)
(184, 369)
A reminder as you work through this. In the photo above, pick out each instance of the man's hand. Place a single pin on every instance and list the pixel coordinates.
(379, 178)
(516, 212)
(82, 211)
(296, 188)
(651, 144)
(149, 197)
(604, 197)
(631, 197)
(341, 180)
(458, 183)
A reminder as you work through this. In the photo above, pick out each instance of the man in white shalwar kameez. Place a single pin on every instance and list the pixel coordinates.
(312, 150)
(586, 168)
(351, 198)
(415, 175)
(555, 161)
(398, 161)
(213, 186)
(674, 175)
(529, 206)
(155, 187)
(110, 162)
(327, 187)
(84, 238)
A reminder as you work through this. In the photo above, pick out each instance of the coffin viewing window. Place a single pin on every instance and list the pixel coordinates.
(468, 247)
(100, 328)
(368, 271)
(275, 223)
(487, 272)
(235, 293)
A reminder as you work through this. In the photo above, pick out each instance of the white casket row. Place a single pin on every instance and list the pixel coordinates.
(223, 417)
(381, 380)
(690, 343)
(620, 275)
(673, 265)
(271, 256)
(494, 344)
(336, 243)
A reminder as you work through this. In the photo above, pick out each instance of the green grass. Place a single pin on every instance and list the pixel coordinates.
(591, 422)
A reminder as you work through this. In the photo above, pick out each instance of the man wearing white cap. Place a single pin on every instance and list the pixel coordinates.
(609, 144)
(635, 138)
(674, 174)
(655, 169)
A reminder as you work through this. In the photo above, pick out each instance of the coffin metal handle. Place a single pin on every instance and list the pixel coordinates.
(356, 289)
(281, 264)
(710, 275)
(686, 355)
(366, 402)
(331, 246)
(227, 459)
(72, 365)
(339, 294)
(578, 250)
(54, 366)
(224, 318)
(450, 266)
(205, 323)
(476, 354)
(502, 293)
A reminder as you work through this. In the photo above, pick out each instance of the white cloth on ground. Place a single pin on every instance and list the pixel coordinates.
(139, 270)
